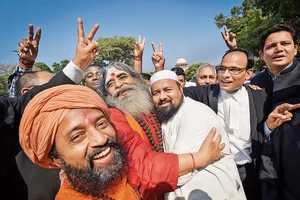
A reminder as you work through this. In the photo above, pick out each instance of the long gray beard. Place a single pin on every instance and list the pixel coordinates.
(137, 101)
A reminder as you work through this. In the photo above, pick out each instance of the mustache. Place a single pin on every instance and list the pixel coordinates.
(110, 143)
(126, 87)
(164, 101)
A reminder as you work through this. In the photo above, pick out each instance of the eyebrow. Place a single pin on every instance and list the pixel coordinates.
(117, 75)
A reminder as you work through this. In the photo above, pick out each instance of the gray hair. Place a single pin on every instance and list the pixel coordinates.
(204, 65)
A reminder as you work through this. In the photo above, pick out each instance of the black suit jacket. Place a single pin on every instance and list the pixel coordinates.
(208, 95)
(286, 86)
(14, 175)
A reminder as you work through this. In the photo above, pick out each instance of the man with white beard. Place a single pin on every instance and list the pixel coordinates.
(124, 88)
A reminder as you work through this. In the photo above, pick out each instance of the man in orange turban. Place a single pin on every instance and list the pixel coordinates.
(69, 127)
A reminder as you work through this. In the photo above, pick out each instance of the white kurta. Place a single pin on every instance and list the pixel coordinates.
(185, 133)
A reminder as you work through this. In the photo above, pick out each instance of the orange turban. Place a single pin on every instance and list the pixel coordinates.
(44, 113)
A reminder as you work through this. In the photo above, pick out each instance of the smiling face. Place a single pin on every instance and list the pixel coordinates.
(92, 77)
(231, 83)
(128, 94)
(87, 150)
(118, 82)
(279, 50)
(167, 96)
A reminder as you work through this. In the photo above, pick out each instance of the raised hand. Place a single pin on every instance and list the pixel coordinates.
(281, 115)
(229, 38)
(86, 48)
(28, 47)
(210, 150)
(139, 48)
(138, 54)
(158, 59)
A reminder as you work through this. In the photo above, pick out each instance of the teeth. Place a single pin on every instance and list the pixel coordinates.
(103, 153)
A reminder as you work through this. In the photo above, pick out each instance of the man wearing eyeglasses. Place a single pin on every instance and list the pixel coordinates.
(241, 110)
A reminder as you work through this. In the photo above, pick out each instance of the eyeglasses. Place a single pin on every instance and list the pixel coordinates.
(232, 70)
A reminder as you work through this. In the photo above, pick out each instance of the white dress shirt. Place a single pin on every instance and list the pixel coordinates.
(185, 133)
(234, 111)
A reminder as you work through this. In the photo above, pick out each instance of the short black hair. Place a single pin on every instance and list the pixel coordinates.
(146, 76)
(250, 57)
(277, 28)
(178, 71)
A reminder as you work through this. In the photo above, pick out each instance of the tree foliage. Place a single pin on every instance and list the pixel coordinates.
(115, 49)
(190, 73)
(6, 68)
(40, 66)
(3, 84)
(253, 17)
(57, 67)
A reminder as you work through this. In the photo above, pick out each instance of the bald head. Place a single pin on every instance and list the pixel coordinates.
(30, 79)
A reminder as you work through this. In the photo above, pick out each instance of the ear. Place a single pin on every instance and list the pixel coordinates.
(249, 73)
(24, 90)
(57, 162)
(261, 55)
(296, 50)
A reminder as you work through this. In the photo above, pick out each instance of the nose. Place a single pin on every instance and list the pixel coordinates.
(118, 83)
(95, 77)
(162, 95)
(96, 137)
(279, 47)
(207, 81)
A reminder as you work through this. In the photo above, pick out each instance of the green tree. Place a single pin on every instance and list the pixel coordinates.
(253, 17)
(40, 66)
(3, 84)
(190, 73)
(57, 67)
(115, 49)
(282, 12)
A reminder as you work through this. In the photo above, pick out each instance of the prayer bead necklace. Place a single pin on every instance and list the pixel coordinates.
(155, 147)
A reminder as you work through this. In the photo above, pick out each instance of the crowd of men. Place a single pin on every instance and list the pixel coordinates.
(124, 134)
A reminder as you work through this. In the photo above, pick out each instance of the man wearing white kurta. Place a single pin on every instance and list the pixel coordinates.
(185, 124)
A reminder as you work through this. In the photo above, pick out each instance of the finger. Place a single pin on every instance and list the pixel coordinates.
(92, 46)
(223, 36)
(288, 115)
(225, 31)
(138, 46)
(160, 56)
(93, 32)
(38, 35)
(160, 48)
(211, 134)
(153, 47)
(25, 44)
(284, 107)
(221, 154)
(144, 41)
(30, 32)
(80, 30)
(140, 39)
(218, 139)
(21, 46)
(296, 105)
(232, 35)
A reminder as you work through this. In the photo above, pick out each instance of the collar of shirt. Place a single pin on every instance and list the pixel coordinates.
(273, 78)
(236, 95)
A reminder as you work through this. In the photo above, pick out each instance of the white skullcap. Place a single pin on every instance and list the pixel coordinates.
(164, 74)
